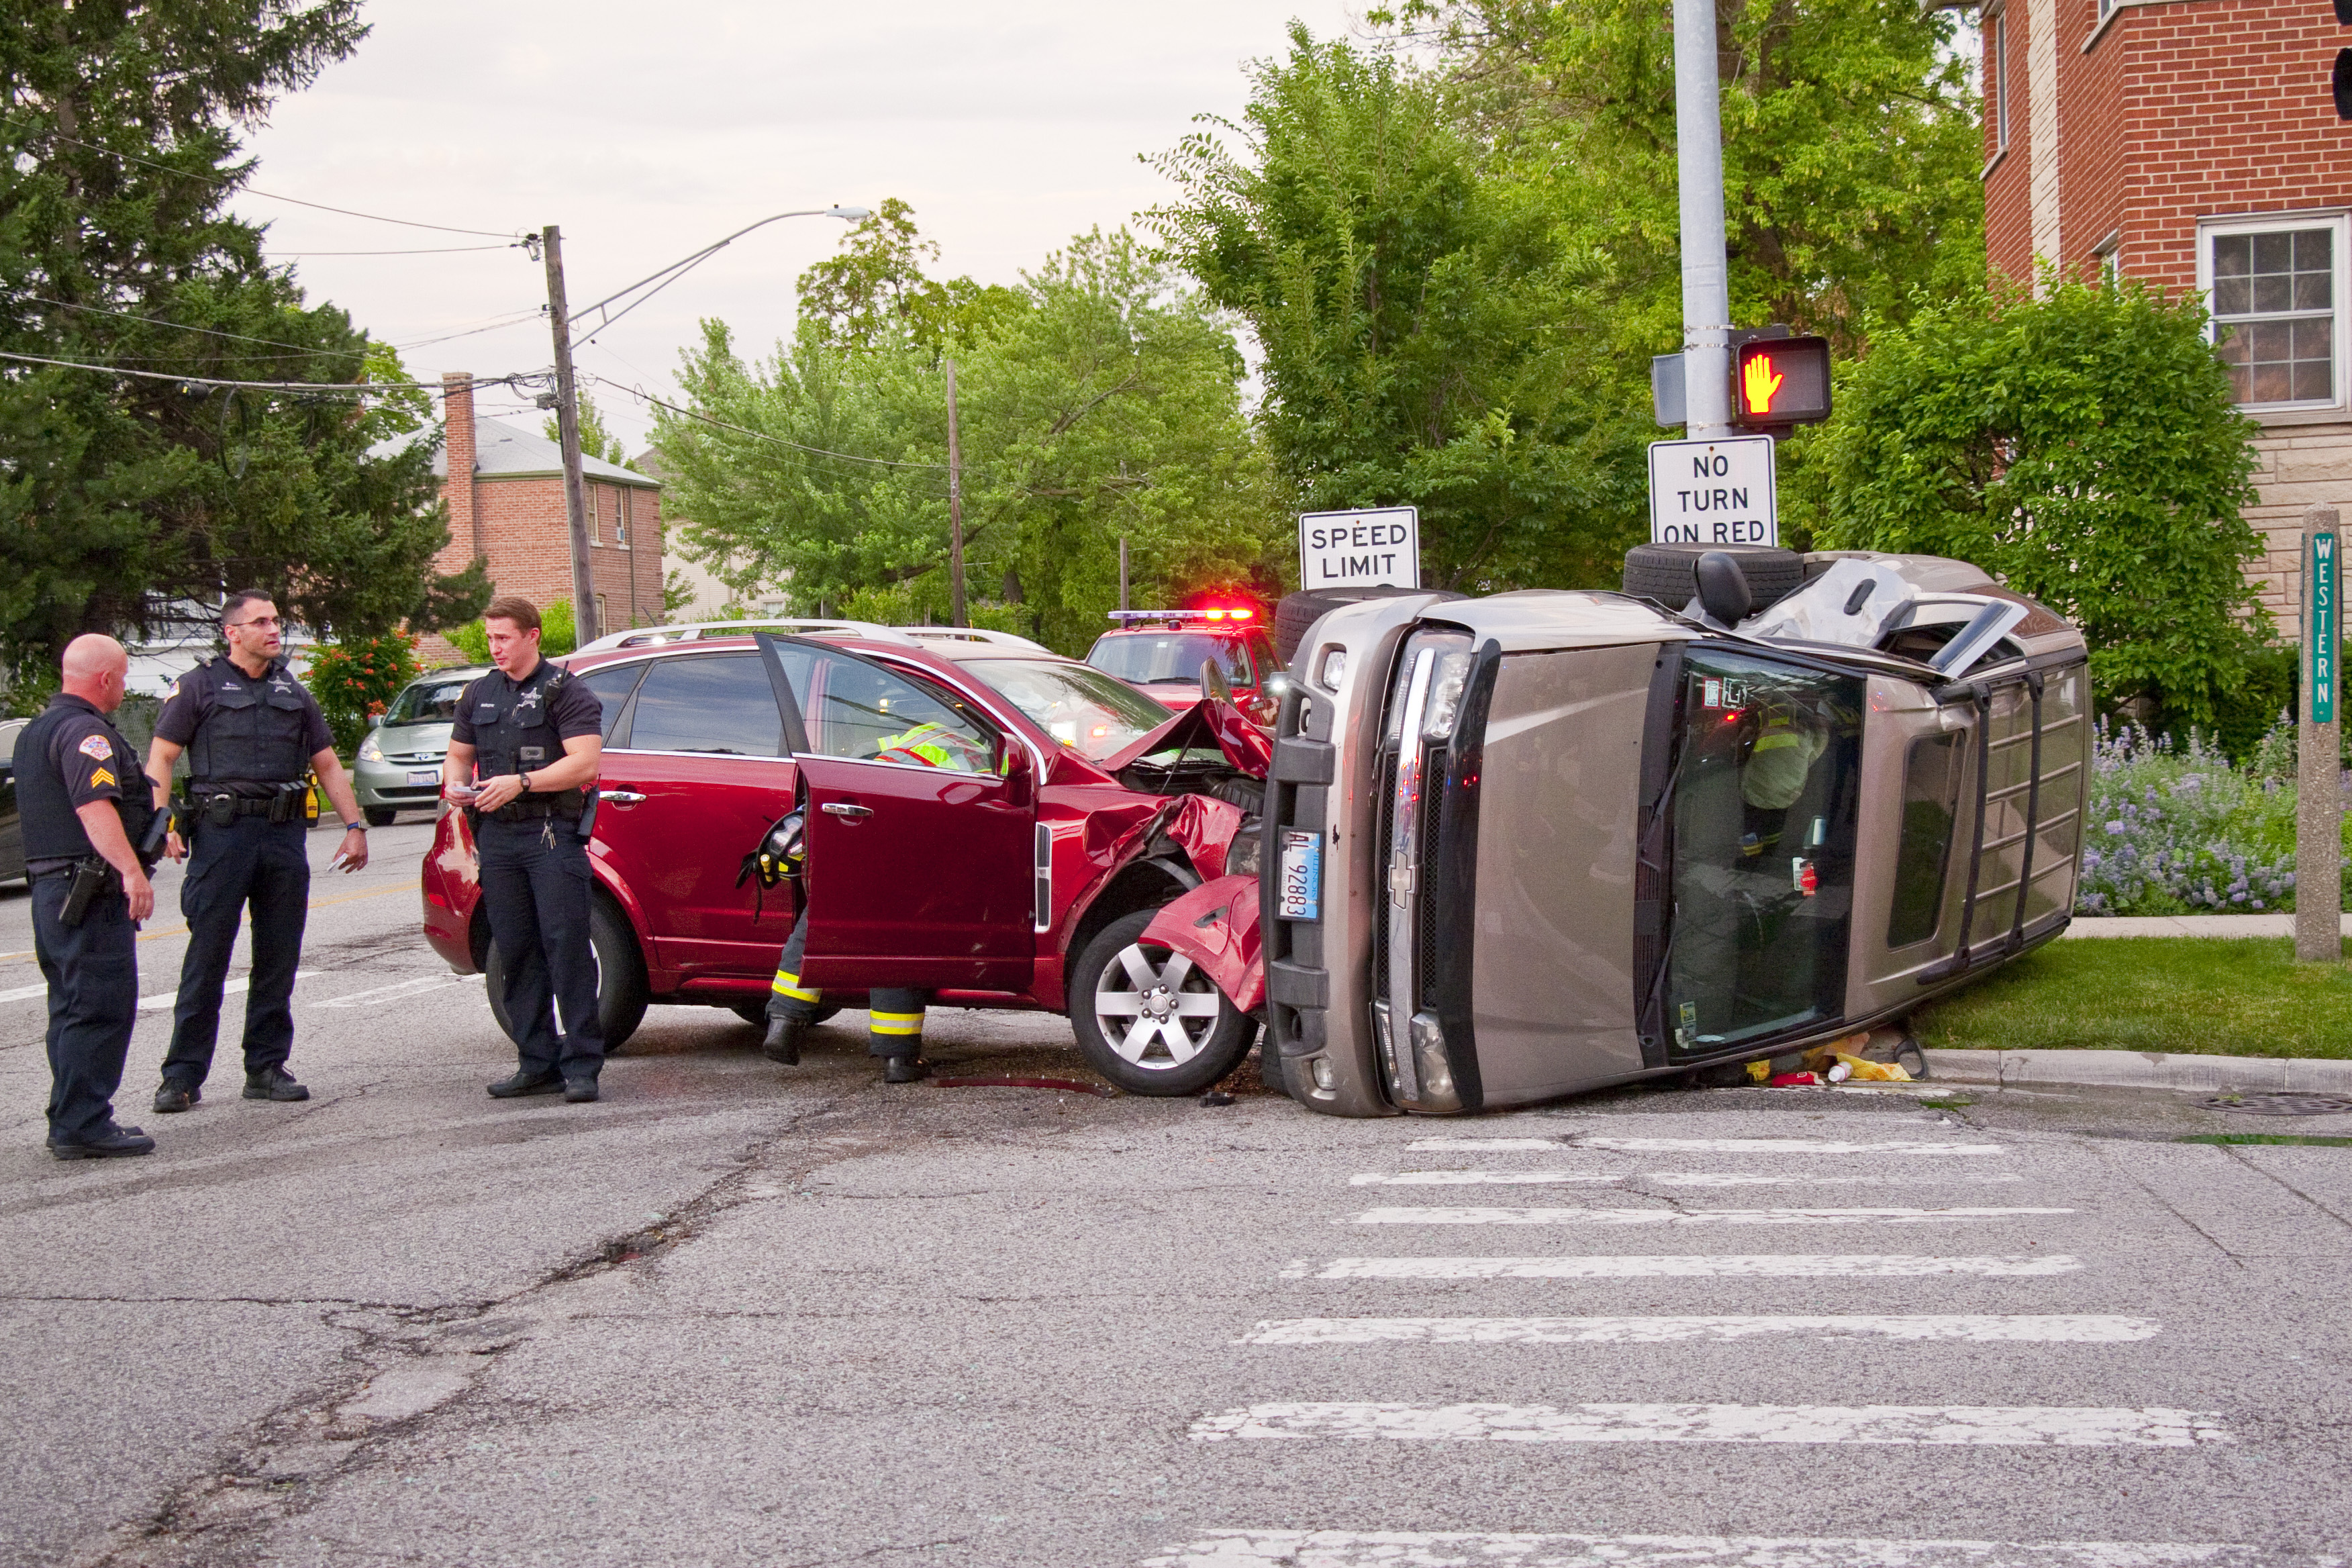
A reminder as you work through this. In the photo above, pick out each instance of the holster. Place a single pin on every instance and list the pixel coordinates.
(92, 877)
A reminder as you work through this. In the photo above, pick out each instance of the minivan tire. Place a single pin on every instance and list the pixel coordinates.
(621, 992)
(1669, 573)
(1219, 1050)
(1297, 613)
(379, 815)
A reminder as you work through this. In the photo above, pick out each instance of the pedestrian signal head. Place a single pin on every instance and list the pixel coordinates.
(1779, 382)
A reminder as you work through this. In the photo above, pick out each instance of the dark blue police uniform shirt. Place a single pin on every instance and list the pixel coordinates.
(575, 709)
(190, 702)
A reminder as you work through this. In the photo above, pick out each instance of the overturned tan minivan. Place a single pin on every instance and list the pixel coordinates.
(1521, 846)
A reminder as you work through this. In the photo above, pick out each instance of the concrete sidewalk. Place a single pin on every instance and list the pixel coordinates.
(2187, 925)
(2141, 1069)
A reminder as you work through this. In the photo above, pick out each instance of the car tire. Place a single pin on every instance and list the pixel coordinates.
(1669, 573)
(1297, 613)
(621, 992)
(379, 815)
(1216, 1036)
(756, 1013)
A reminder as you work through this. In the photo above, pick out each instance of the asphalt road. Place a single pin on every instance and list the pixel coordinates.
(737, 1314)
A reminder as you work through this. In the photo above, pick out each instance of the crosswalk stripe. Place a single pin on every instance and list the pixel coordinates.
(1443, 1215)
(2050, 1329)
(1701, 1146)
(1664, 1178)
(1771, 1265)
(1465, 1549)
(2026, 1425)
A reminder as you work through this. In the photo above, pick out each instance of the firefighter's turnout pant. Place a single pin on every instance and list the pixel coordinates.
(896, 1011)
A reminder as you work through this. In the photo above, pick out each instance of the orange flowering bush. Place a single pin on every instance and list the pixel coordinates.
(356, 679)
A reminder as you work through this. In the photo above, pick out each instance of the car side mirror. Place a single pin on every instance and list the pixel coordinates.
(1020, 781)
(1213, 684)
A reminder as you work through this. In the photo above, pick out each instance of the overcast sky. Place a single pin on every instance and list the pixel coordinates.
(648, 131)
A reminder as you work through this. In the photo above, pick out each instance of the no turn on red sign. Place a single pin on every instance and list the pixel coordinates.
(1714, 492)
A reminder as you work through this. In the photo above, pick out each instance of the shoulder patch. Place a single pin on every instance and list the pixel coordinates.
(97, 747)
(171, 691)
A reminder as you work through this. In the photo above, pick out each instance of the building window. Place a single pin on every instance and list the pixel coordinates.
(621, 499)
(2276, 290)
(603, 623)
(590, 493)
(2001, 81)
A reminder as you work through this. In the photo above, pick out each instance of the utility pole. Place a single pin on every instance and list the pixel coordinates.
(567, 426)
(955, 511)
(1706, 292)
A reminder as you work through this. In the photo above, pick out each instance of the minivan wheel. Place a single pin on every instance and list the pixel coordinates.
(1149, 1021)
(380, 815)
(621, 994)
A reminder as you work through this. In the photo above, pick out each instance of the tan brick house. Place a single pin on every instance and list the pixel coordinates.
(504, 488)
(2194, 143)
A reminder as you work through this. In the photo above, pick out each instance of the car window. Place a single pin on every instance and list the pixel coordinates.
(865, 713)
(1084, 709)
(1147, 657)
(8, 733)
(612, 686)
(1269, 661)
(427, 702)
(716, 702)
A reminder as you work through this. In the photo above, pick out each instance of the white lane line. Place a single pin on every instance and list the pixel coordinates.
(1663, 1178)
(1440, 1216)
(1699, 1146)
(1465, 1549)
(1697, 1266)
(2088, 1330)
(2007, 1425)
(230, 987)
(393, 992)
(23, 992)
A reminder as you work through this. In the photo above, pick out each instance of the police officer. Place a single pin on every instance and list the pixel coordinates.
(83, 808)
(895, 1014)
(250, 732)
(523, 755)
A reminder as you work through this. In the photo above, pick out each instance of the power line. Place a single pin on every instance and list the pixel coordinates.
(346, 388)
(498, 325)
(430, 250)
(184, 327)
(297, 201)
(641, 393)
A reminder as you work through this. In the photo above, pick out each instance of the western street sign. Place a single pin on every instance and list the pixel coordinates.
(1376, 549)
(2321, 638)
(1714, 492)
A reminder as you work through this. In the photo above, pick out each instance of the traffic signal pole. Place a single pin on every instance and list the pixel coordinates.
(1706, 291)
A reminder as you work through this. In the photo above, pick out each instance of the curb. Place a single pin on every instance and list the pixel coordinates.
(2224, 926)
(2140, 1069)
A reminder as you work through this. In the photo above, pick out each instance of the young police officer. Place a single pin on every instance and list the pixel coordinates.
(81, 812)
(523, 755)
(250, 732)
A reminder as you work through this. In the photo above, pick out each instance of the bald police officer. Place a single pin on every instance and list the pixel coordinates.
(83, 808)
(251, 732)
(523, 755)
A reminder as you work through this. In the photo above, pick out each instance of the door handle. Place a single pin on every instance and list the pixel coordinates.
(842, 808)
(622, 796)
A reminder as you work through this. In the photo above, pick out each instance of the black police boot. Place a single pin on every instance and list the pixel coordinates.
(113, 1143)
(783, 1041)
(269, 1083)
(172, 1095)
(905, 1069)
(579, 1090)
(523, 1083)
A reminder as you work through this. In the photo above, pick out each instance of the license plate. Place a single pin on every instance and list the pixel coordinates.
(424, 775)
(1299, 892)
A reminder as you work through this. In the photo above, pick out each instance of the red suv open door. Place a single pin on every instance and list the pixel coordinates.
(921, 813)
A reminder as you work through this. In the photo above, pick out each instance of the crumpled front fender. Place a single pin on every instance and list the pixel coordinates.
(1215, 926)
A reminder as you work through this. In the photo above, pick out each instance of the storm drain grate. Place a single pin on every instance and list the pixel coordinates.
(2285, 1103)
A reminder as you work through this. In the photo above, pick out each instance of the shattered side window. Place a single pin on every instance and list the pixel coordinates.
(1766, 798)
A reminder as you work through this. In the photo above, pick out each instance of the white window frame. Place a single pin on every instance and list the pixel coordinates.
(2334, 218)
(621, 499)
(2000, 83)
(588, 495)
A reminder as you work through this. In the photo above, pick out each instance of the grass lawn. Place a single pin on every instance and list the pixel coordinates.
(2233, 997)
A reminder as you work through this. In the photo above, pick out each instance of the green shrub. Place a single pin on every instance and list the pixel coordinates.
(356, 679)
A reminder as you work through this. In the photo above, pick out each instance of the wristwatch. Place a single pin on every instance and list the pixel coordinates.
(355, 827)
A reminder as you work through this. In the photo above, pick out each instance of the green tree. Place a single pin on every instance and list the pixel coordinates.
(594, 439)
(1429, 335)
(120, 495)
(1096, 401)
(2085, 447)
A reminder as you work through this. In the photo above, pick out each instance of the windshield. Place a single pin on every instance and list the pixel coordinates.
(1764, 822)
(1143, 657)
(427, 702)
(1084, 710)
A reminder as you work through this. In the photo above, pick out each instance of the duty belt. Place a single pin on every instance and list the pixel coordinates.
(286, 805)
(528, 811)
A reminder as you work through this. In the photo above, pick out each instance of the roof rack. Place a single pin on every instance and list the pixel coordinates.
(694, 631)
(971, 633)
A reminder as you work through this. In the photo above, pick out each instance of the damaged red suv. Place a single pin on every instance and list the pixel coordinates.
(1021, 874)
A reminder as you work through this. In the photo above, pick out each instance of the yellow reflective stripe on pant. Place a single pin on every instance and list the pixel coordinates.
(789, 985)
(896, 1023)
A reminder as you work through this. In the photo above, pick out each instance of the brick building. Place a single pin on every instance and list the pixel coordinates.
(504, 488)
(2193, 143)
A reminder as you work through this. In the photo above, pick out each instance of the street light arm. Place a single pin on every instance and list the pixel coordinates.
(676, 270)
